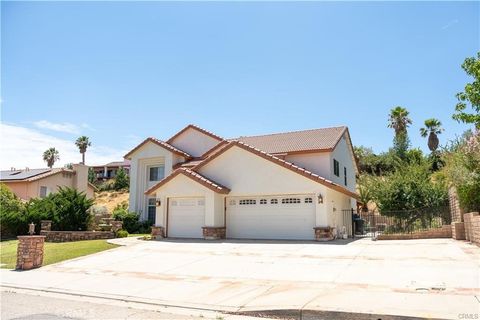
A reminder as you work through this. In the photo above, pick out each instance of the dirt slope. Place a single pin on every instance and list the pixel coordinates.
(110, 199)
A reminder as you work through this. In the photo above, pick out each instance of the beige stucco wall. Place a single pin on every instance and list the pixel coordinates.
(28, 190)
(247, 174)
(148, 155)
(194, 142)
(343, 155)
(319, 162)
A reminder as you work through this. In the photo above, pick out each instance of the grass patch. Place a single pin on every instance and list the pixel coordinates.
(54, 252)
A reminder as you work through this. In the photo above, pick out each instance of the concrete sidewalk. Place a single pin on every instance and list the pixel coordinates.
(436, 278)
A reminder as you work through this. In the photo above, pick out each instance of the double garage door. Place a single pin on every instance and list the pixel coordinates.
(271, 217)
(262, 217)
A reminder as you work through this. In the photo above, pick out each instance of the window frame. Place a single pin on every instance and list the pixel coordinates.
(336, 167)
(158, 167)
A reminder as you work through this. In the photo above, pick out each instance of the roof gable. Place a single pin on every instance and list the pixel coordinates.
(161, 144)
(196, 128)
(285, 164)
(195, 177)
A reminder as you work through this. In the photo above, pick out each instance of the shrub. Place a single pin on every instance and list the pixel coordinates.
(12, 217)
(130, 219)
(122, 233)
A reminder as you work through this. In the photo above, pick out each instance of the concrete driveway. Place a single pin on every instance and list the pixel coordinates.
(438, 278)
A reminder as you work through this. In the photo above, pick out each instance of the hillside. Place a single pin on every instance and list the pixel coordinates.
(111, 199)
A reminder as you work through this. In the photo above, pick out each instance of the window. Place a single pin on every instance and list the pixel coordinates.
(247, 202)
(291, 200)
(336, 168)
(273, 201)
(151, 210)
(156, 173)
(263, 201)
(43, 191)
(308, 200)
(345, 174)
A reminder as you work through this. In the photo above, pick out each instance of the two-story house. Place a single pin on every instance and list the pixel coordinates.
(278, 186)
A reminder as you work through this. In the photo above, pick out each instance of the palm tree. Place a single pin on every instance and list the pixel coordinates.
(50, 156)
(399, 120)
(433, 127)
(82, 143)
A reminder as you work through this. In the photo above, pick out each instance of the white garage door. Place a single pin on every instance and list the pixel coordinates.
(272, 217)
(186, 217)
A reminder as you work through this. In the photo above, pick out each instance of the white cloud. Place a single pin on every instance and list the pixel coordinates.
(23, 147)
(60, 127)
(449, 24)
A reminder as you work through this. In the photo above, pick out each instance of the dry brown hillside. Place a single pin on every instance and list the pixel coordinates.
(110, 199)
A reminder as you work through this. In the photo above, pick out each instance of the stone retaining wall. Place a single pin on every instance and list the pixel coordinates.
(443, 232)
(158, 232)
(472, 227)
(67, 236)
(324, 233)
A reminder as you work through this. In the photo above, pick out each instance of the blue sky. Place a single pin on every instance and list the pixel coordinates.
(121, 71)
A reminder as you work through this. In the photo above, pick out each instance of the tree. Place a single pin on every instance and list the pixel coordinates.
(83, 143)
(91, 175)
(399, 120)
(51, 156)
(121, 179)
(432, 128)
(471, 94)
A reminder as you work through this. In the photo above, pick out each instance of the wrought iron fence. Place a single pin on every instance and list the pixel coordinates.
(369, 223)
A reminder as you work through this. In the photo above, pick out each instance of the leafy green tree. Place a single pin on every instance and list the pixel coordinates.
(401, 143)
(91, 175)
(50, 156)
(83, 143)
(470, 95)
(121, 179)
(433, 128)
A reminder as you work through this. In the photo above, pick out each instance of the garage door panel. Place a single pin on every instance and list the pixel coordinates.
(272, 217)
(186, 217)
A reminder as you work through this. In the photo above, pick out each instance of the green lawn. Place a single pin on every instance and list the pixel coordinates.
(54, 252)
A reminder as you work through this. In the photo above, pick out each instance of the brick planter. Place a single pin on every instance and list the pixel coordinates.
(158, 232)
(30, 252)
(214, 233)
(323, 233)
(67, 236)
(472, 227)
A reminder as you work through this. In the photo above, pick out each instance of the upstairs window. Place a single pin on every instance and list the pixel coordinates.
(156, 173)
(336, 168)
(345, 174)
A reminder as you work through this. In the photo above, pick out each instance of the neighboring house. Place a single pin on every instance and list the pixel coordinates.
(109, 170)
(276, 186)
(38, 183)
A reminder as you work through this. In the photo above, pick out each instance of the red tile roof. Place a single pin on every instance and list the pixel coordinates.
(283, 163)
(162, 144)
(192, 126)
(194, 176)
(324, 139)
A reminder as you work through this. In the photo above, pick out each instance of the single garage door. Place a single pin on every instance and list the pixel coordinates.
(271, 217)
(186, 217)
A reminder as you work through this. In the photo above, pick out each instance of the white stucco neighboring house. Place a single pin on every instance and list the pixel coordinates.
(292, 185)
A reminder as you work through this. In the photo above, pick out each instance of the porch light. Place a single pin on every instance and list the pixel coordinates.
(320, 198)
(31, 228)
(158, 202)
